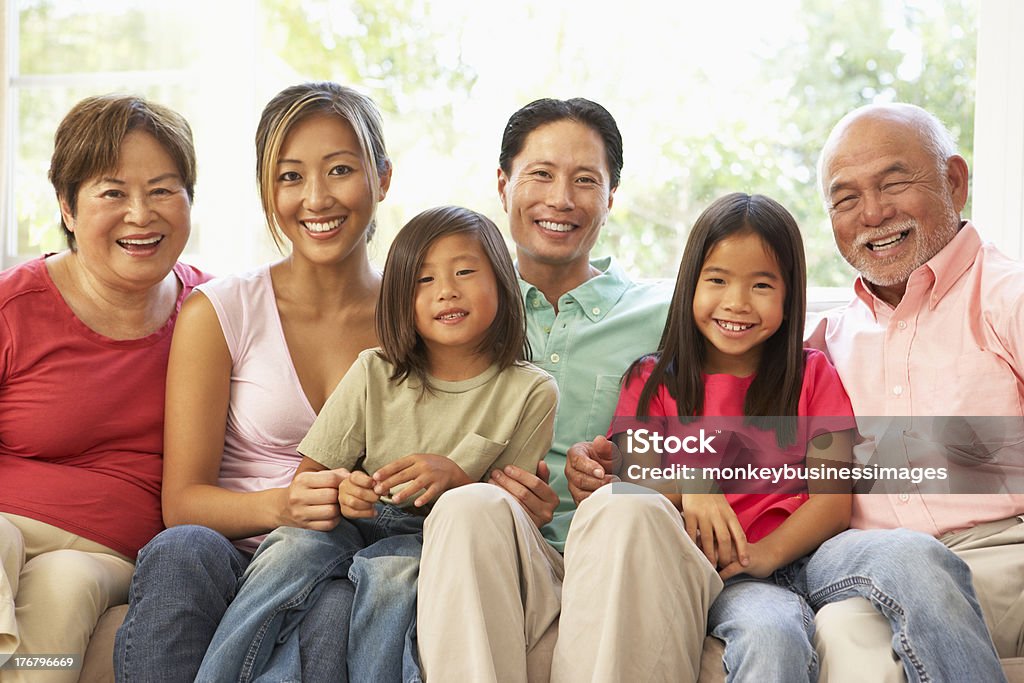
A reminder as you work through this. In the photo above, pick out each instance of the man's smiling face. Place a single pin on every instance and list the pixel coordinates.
(893, 204)
(557, 194)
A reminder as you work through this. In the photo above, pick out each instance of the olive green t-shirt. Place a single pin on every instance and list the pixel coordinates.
(498, 418)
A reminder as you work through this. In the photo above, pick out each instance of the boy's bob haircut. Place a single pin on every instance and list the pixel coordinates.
(401, 345)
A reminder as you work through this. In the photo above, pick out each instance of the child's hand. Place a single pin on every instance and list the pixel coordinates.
(356, 496)
(588, 467)
(435, 473)
(713, 526)
(762, 561)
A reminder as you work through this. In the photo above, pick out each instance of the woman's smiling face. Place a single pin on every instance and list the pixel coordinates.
(131, 224)
(322, 193)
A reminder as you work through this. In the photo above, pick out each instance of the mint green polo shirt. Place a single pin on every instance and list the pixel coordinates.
(601, 327)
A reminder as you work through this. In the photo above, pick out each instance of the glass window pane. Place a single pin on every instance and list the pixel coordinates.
(94, 35)
(710, 97)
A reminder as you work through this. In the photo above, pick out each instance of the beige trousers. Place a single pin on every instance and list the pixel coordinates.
(854, 641)
(633, 591)
(53, 589)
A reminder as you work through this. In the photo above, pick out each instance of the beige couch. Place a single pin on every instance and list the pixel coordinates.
(98, 665)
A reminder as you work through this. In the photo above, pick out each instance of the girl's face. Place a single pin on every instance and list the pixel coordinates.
(739, 303)
(456, 295)
(322, 191)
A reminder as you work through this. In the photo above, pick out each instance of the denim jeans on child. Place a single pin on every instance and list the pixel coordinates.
(184, 580)
(285, 578)
(925, 592)
(767, 627)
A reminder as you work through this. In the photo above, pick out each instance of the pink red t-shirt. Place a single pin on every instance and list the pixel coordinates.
(821, 396)
(81, 415)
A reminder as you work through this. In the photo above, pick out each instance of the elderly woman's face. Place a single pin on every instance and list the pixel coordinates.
(132, 224)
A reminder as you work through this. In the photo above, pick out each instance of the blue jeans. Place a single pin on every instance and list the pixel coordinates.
(767, 627)
(382, 635)
(184, 580)
(286, 576)
(922, 588)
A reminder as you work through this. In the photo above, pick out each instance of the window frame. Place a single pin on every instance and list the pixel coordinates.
(998, 186)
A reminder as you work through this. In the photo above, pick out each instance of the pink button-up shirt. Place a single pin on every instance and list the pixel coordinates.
(953, 346)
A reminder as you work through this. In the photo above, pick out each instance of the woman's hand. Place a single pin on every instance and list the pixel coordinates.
(311, 500)
(714, 527)
(356, 496)
(435, 473)
(532, 491)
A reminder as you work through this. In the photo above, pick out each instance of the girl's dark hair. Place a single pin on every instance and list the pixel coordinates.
(679, 361)
(400, 344)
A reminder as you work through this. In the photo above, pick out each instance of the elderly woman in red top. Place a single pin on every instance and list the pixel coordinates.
(84, 339)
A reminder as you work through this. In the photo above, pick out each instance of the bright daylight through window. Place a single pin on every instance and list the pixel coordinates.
(711, 98)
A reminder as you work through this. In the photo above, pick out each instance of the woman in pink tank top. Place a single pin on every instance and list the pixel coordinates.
(253, 360)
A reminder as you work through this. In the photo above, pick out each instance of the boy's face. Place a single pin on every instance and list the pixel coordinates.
(456, 295)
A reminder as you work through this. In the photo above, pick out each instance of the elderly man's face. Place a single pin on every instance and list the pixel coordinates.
(557, 194)
(893, 207)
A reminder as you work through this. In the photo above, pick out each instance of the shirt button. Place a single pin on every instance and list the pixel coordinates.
(904, 497)
(898, 390)
(536, 303)
(555, 358)
(595, 310)
(547, 330)
(902, 324)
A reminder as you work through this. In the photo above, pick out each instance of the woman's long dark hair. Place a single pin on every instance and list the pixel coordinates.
(679, 361)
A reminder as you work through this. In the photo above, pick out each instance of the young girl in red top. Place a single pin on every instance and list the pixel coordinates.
(732, 346)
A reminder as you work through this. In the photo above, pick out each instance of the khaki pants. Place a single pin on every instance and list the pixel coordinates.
(633, 591)
(53, 589)
(854, 641)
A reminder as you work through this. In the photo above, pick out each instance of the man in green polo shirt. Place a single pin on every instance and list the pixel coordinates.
(488, 579)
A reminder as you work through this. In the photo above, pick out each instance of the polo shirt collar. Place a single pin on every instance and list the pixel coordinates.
(596, 296)
(954, 260)
(943, 270)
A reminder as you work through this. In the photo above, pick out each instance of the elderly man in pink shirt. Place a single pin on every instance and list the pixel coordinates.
(936, 329)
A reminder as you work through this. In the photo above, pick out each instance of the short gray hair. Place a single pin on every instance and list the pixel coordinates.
(936, 138)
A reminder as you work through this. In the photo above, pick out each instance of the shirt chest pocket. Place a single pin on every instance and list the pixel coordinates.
(978, 400)
(975, 383)
(606, 395)
(475, 454)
